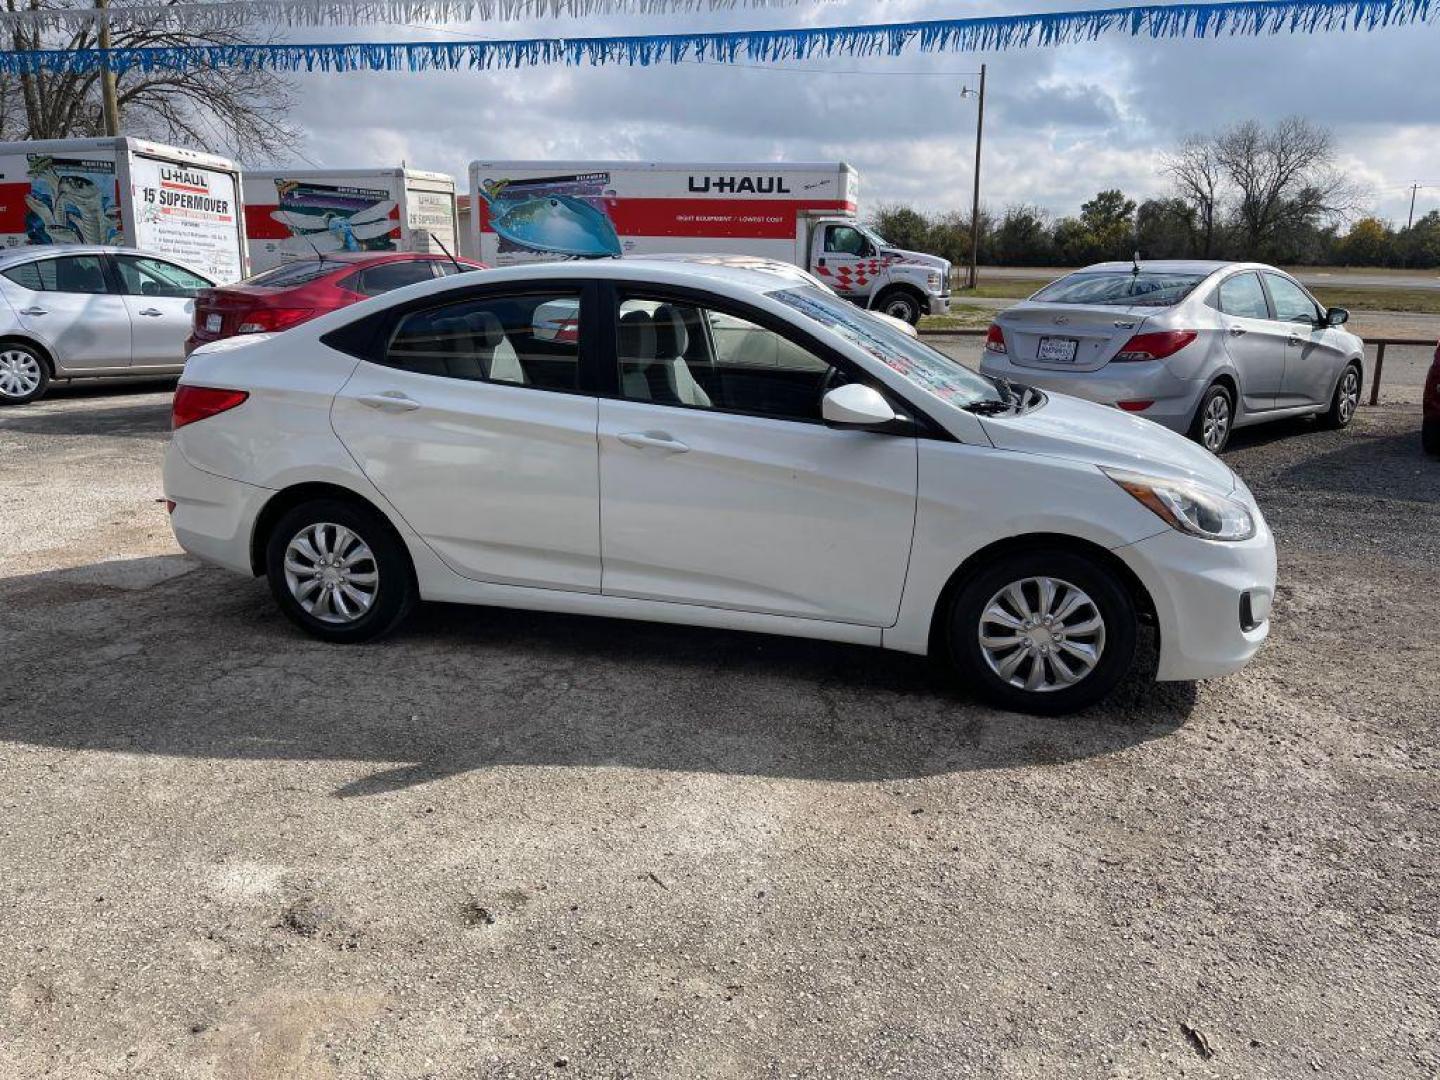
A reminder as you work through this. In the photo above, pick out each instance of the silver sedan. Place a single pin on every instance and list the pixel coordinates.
(1200, 347)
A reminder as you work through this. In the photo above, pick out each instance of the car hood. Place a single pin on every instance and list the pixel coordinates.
(915, 258)
(1080, 430)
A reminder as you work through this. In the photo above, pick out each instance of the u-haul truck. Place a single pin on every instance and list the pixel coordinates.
(172, 201)
(293, 213)
(805, 214)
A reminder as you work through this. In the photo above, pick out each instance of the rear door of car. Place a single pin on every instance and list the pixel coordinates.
(1254, 340)
(480, 431)
(68, 303)
(160, 297)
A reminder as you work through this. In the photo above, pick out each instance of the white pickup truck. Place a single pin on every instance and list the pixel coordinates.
(804, 214)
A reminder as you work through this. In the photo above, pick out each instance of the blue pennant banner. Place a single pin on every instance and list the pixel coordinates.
(1236, 18)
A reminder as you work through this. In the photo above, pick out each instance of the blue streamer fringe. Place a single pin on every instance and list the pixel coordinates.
(1231, 18)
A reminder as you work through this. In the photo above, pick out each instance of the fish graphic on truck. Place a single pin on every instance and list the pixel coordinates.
(560, 216)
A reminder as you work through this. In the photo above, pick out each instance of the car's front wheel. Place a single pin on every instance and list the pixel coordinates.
(1044, 631)
(1346, 399)
(339, 572)
(901, 304)
(24, 375)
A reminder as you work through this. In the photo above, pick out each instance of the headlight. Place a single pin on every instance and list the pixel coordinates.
(935, 279)
(1188, 507)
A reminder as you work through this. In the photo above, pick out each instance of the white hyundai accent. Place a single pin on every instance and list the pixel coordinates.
(715, 446)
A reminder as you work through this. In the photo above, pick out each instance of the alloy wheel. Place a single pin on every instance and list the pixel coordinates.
(1217, 423)
(1041, 634)
(19, 373)
(331, 572)
(1349, 395)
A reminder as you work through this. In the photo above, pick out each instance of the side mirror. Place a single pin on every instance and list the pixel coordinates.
(856, 405)
(1336, 316)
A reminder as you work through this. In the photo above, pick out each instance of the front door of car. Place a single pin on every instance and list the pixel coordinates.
(66, 302)
(160, 297)
(473, 426)
(1257, 344)
(720, 485)
(1313, 357)
(847, 260)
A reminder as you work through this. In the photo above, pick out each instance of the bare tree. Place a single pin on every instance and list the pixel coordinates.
(228, 110)
(1198, 178)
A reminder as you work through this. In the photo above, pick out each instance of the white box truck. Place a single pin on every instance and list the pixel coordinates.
(292, 213)
(805, 214)
(123, 191)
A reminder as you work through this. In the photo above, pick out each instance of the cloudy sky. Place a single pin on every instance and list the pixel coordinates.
(1061, 123)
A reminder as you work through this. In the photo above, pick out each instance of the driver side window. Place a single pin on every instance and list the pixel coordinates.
(676, 353)
(845, 240)
(1292, 303)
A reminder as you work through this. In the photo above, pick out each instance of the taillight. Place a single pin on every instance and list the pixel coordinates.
(1156, 346)
(1135, 406)
(199, 402)
(995, 339)
(269, 320)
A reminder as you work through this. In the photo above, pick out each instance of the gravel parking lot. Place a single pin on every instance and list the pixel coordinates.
(505, 844)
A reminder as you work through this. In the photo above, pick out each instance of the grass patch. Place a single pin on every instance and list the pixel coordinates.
(1379, 298)
(960, 317)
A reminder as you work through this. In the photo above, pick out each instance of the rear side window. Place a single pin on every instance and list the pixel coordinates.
(1124, 288)
(1243, 297)
(520, 340)
(394, 275)
(155, 277)
(288, 275)
(72, 274)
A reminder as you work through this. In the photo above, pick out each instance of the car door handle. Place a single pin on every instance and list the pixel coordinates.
(390, 401)
(652, 440)
(1236, 331)
(151, 311)
(33, 311)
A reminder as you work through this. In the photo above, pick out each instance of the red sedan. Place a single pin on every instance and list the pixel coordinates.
(1430, 429)
(295, 292)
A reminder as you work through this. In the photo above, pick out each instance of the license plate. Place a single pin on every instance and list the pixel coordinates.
(212, 324)
(1057, 350)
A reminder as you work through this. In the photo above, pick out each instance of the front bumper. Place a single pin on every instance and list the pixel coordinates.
(1174, 399)
(938, 305)
(1197, 587)
(213, 517)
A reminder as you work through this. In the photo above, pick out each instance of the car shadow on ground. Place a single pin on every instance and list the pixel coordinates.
(166, 658)
(136, 420)
(1392, 467)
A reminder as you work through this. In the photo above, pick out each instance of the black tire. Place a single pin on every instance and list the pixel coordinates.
(1214, 436)
(900, 304)
(1106, 598)
(24, 373)
(1430, 437)
(394, 590)
(1345, 400)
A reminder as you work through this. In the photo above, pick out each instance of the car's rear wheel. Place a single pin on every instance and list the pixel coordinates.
(24, 375)
(1430, 436)
(1346, 399)
(1045, 631)
(1214, 419)
(338, 571)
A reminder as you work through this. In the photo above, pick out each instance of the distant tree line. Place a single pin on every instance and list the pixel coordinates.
(1245, 192)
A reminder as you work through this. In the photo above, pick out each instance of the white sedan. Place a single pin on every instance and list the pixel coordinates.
(714, 446)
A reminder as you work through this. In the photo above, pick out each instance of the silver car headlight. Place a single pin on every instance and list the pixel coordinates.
(1188, 507)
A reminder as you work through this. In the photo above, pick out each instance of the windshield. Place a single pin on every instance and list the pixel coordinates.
(290, 274)
(1124, 288)
(930, 370)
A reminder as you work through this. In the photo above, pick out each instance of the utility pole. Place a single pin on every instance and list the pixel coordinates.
(110, 100)
(975, 202)
(1413, 189)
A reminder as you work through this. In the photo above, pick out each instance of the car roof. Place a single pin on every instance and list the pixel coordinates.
(352, 257)
(1172, 266)
(681, 272)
